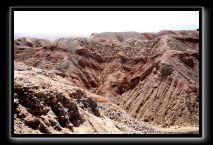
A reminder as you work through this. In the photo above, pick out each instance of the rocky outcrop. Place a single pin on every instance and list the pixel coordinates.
(31, 42)
(47, 103)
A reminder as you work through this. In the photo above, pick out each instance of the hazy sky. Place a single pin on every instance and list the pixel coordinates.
(87, 22)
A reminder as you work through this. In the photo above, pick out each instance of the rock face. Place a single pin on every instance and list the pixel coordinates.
(153, 78)
(45, 102)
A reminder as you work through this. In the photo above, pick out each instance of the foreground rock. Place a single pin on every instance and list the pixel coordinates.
(47, 103)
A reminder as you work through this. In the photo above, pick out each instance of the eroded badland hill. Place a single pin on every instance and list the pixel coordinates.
(113, 82)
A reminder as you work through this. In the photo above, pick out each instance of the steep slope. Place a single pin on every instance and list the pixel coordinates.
(154, 77)
(47, 103)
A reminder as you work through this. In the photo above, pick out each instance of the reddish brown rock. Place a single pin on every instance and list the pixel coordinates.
(154, 77)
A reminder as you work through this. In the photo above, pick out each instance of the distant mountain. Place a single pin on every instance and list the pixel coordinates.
(48, 36)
